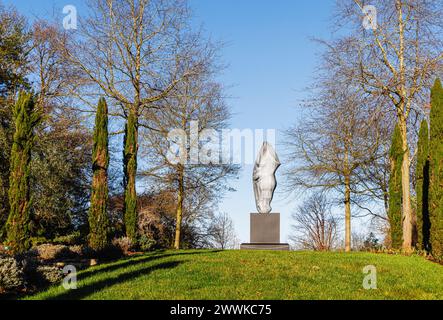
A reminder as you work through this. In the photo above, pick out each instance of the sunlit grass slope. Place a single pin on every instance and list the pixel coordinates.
(255, 275)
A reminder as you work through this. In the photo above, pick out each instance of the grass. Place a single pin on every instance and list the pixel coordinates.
(254, 275)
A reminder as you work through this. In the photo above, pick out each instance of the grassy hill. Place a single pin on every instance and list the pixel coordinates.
(255, 275)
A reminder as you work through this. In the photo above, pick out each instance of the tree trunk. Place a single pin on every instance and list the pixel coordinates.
(130, 172)
(408, 221)
(180, 198)
(348, 246)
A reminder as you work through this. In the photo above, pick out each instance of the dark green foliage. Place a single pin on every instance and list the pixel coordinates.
(436, 169)
(98, 216)
(13, 59)
(71, 239)
(6, 133)
(395, 190)
(130, 171)
(61, 175)
(17, 226)
(372, 243)
(422, 188)
(60, 167)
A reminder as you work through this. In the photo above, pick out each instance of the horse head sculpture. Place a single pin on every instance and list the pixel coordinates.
(264, 178)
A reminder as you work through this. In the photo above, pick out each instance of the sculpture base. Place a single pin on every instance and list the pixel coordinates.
(265, 246)
(265, 228)
(265, 233)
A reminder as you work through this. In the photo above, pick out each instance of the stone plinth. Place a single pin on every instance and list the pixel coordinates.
(265, 228)
(265, 233)
(265, 246)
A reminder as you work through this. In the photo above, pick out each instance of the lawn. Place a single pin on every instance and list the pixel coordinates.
(222, 275)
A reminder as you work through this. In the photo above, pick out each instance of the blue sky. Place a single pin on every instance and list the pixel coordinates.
(271, 61)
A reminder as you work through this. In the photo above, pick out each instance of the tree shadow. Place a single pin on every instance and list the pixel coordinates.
(89, 289)
(84, 292)
(133, 261)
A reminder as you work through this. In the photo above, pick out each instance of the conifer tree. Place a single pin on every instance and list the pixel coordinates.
(130, 171)
(422, 188)
(395, 190)
(26, 118)
(436, 170)
(98, 216)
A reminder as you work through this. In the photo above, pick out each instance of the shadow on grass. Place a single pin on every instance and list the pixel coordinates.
(133, 261)
(85, 291)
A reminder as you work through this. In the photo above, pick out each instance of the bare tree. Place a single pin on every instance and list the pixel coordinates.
(373, 179)
(60, 166)
(222, 232)
(51, 70)
(395, 60)
(194, 108)
(131, 52)
(315, 227)
(337, 139)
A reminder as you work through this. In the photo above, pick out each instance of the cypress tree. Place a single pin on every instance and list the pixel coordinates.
(422, 188)
(395, 190)
(98, 217)
(26, 118)
(436, 169)
(130, 171)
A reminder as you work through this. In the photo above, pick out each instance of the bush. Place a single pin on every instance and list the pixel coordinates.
(11, 274)
(36, 274)
(49, 252)
(147, 244)
(26, 271)
(49, 274)
(77, 250)
(110, 252)
(124, 244)
(37, 241)
(74, 238)
(372, 243)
